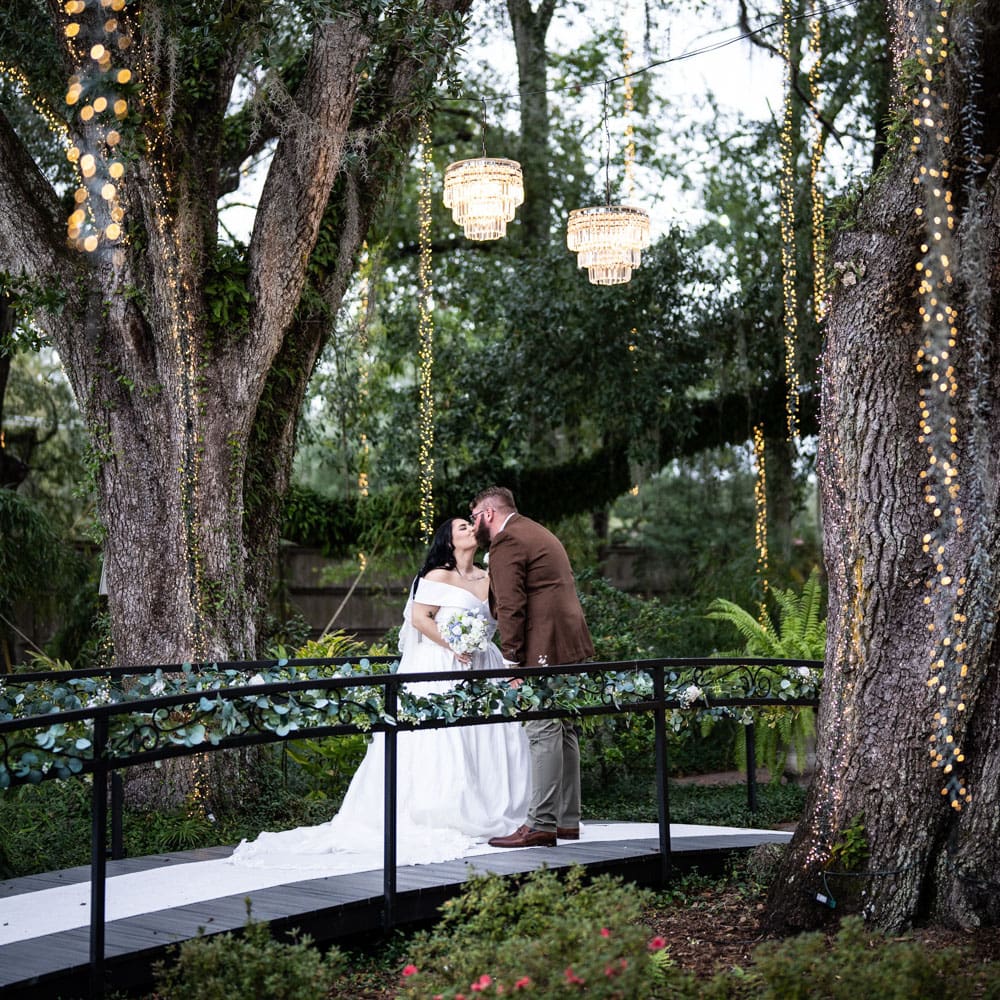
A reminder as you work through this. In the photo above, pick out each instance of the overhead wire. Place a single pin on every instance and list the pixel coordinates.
(693, 53)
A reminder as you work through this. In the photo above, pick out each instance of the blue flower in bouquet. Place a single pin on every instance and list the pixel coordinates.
(465, 631)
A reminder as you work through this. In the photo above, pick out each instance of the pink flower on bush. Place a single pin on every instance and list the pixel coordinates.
(482, 983)
(572, 978)
(409, 970)
(523, 983)
(657, 944)
(605, 932)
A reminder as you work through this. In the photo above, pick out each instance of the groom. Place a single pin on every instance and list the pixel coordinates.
(541, 623)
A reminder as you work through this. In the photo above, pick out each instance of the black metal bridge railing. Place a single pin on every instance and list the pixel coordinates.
(129, 725)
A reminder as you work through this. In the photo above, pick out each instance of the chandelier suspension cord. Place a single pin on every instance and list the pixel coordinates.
(607, 147)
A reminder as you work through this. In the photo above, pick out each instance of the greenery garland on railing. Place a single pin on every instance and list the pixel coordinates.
(191, 706)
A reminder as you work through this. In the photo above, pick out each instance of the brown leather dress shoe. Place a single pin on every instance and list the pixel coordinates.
(568, 832)
(525, 836)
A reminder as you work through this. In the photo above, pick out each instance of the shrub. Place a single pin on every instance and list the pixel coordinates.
(709, 805)
(544, 936)
(624, 626)
(616, 752)
(248, 966)
(859, 963)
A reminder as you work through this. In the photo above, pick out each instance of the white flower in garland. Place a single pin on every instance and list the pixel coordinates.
(690, 695)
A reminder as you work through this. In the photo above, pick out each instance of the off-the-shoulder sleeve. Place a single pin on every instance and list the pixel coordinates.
(442, 594)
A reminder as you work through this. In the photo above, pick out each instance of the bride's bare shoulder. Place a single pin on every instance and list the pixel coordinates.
(439, 575)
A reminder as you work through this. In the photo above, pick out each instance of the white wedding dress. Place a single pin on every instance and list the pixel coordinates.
(456, 787)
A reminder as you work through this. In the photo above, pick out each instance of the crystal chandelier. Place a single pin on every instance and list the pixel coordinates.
(608, 240)
(482, 195)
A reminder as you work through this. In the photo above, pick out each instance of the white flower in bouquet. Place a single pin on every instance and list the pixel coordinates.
(465, 631)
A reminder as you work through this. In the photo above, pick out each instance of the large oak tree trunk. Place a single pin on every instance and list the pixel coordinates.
(190, 360)
(908, 477)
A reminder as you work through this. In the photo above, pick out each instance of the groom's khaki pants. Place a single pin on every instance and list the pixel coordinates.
(555, 774)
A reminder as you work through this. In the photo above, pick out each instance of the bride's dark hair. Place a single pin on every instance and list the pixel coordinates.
(441, 554)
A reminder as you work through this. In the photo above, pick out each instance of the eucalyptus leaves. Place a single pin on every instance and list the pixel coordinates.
(47, 724)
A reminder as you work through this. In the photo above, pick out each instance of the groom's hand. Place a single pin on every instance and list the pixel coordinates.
(514, 682)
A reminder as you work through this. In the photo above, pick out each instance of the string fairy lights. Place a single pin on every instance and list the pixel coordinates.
(425, 368)
(938, 423)
(93, 34)
(815, 166)
(787, 214)
(629, 109)
(20, 82)
(366, 268)
(760, 520)
(188, 403)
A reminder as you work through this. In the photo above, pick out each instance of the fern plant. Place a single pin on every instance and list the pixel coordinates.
(798, 634)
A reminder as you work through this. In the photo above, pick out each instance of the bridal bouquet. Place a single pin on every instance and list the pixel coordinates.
(465, 631)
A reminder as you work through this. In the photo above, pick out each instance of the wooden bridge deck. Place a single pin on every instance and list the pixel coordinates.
(47, 966)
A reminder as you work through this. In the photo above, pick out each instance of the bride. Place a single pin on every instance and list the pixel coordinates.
(455, 787)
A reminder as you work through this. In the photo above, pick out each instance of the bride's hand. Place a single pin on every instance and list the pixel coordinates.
(464, 658)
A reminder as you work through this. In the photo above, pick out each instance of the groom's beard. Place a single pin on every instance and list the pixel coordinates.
(483, 535)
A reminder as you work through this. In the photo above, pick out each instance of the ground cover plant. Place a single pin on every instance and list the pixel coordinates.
(698, 938)
(248, 965)
(548, 935)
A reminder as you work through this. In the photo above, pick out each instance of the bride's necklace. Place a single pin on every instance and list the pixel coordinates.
(471, 579)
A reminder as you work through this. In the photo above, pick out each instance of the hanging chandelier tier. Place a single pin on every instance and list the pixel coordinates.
(483, 194)
(608, 240)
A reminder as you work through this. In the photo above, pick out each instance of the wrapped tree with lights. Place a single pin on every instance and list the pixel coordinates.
(906, 796)
(190, 356)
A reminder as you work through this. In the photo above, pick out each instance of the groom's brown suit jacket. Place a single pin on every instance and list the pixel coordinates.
(533, 597)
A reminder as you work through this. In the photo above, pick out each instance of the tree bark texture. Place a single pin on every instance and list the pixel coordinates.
(530, 27)
(189, 360)
(908, 479)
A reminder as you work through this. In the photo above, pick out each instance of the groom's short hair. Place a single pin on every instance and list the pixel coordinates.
(500, 495)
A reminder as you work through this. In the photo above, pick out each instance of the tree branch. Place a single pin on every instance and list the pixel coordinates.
(388, 124)
(32, 242)
(300, 180)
